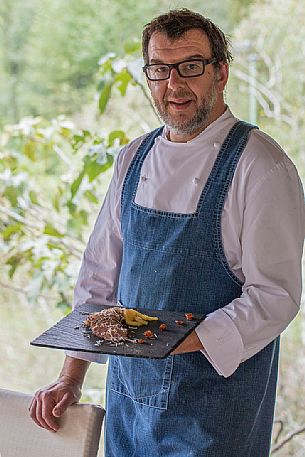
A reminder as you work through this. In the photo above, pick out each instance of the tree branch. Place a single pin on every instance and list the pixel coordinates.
(288, 438)
(280, 430)
(22, 291)
(74, 250)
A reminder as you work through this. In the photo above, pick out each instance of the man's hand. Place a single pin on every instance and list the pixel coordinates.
(191, 344)
(49, 403)
(52, 401)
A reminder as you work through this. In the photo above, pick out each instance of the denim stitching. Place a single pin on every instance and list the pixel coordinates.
(144, 399)
(185, 251)
(239, 127)
(166, 214)
(141, 403)
(137, 158)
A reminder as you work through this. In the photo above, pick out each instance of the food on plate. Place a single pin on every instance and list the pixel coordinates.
(136, 319)
(108, 324)
(111, 324)
(162, 327)
(148, 334)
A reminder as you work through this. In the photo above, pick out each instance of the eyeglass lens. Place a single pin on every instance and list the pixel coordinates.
(185, 69)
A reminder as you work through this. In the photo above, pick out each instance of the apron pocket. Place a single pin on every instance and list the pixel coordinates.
(144, 381)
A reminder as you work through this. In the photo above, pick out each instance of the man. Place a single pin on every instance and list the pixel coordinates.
(205, 215)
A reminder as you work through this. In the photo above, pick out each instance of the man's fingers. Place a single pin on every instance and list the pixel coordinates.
(47, 406)
(32, 410)
(41, 411)
(42, 416)
(62, 405)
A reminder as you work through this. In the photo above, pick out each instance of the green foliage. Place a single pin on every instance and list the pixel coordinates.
(49, 49)
(50, 188)
(116, 73)
(47, 198)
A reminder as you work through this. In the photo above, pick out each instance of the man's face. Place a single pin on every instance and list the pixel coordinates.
(186, 105)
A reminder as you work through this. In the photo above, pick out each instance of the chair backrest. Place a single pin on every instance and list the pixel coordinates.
(78, 436)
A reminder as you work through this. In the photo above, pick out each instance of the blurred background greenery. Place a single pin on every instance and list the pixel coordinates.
(71, 94)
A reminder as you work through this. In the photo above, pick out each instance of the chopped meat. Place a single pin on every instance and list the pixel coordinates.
(108, 324)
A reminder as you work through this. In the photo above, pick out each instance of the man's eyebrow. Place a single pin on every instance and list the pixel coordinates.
(196, 56)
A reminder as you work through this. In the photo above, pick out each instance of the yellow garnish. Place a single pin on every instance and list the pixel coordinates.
(136, 319)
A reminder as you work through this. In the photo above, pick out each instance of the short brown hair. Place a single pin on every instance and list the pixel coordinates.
(176, 22)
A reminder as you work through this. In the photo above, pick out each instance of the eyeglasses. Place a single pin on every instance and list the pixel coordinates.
(186, 69)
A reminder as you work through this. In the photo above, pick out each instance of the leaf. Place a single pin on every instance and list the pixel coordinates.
(11, 193)
(91, 197)
(33, 197)
(83, 216)
(71, 206)
(101, 85)
(117, 134)
(51, 245)
(66, 130)
(40, 261)
(56, 201)
(107, 58)
(79, 139)
(75, 185)
(104, 97)
(15, 261)
(29, 150)
(49, 229)
(11, 230)
(123, 79)
(77, 222)
(106, 67)
(93, 169)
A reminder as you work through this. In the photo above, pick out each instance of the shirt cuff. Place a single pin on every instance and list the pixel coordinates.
(222, 342)
(88, 356)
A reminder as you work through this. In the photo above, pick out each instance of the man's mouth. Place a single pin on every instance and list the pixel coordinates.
(180, 104)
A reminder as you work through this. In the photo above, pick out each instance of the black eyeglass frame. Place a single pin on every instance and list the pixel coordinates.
(176, 66)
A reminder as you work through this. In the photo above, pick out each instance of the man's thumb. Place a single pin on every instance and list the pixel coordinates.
(57, 412)
(61, 407)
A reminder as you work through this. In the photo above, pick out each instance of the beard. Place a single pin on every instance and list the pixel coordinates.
(198, 121)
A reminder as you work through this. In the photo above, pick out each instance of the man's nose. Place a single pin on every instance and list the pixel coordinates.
(175, 80)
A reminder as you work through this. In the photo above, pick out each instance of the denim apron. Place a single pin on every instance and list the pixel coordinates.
(179, 406)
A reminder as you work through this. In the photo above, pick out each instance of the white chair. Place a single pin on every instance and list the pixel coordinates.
(78, 436)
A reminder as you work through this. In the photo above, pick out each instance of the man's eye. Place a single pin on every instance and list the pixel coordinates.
(162, 69)
(191, 66)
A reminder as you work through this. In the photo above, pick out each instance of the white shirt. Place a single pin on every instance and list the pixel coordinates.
(263, 226)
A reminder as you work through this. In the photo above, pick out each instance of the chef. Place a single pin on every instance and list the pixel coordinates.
(206, 215)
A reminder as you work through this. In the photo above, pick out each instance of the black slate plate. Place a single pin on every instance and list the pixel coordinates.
(69, 334)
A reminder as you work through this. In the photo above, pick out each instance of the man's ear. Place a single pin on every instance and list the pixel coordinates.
(222, 76)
